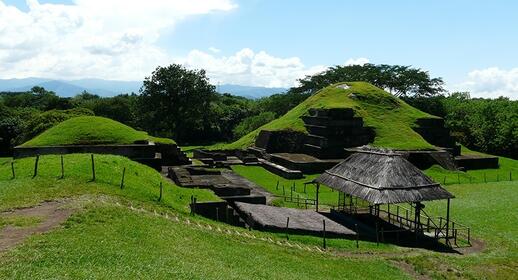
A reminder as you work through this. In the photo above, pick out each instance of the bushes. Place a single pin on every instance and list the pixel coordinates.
(252, 123)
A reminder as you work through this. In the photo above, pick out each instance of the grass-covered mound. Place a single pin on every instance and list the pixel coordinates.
(91, 130)
(391, 118)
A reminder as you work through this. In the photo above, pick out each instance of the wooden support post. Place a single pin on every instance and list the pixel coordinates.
(291, 194)
(12, 170)
(217, 214)
(294, 187)
(357, 236)
(122, 179)
(382, 235)
(287, 226)
(161, 191)
(377, 234)
(324, 233)
(388, 212)
(283, 191)
(277, 186)
(36, 166)
(448, 222)
(93, 167)
(62, 167)
(318, 189)
(305, 188)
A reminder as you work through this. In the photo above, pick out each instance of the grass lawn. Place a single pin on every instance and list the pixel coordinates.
(391, 118)
(91, 130)
(268, 180)
(110, 242)
(491, 210)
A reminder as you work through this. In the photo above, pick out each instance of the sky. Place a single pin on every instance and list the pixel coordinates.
(472, 44)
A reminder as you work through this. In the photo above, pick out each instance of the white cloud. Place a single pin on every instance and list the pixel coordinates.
(247, 67)
(214, 50)
(357, 61)
(491, 83)
(91, 38)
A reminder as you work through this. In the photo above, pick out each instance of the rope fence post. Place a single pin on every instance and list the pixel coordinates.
(122, 180)
(93, 167)
(287, 226)
(324, 232)
(62, 167)
(277, 186)
(161, 191)
(357, 236)
(12, 170)
(36, 166)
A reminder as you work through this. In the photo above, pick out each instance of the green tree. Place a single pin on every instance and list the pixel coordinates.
(397, 79)
(175, 102)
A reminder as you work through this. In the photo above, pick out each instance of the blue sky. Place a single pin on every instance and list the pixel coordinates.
(471, 44)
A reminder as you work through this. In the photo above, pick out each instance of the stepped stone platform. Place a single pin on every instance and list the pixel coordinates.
(224, 183)
(270, 218)
(305, 163)
(154, 155)
(473, 162)
(434, 131)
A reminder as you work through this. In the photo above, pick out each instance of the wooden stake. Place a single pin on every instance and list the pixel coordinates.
(93, 167)
(357, 236)
(287, 225)
(318, 188)
(161, 191)
(324, 233)
(62, 168)
(122, 180)
(36, 166)
(12, 169)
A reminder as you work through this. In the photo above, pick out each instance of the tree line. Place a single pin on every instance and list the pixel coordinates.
(180, 103)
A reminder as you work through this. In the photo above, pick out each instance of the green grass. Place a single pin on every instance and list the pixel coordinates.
(141, 182)
(507, 171)
(19, 221)
(91, 130)
(391, 118)
(110, 242)
(268, 181)
(490, 210)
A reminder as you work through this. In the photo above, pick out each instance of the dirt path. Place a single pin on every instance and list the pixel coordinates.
(51, 213)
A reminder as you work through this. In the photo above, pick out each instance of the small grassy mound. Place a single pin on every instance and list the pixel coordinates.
(90, 130)
(391, 118)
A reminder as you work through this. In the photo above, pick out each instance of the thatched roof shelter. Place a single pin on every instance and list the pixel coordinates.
(382, 177)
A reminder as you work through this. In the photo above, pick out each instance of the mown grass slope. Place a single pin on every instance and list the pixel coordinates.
(105, 239)
(91, 130)
(391, 118)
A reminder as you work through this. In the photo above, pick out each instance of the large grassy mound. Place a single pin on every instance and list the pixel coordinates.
(90, 130)
(391, 118)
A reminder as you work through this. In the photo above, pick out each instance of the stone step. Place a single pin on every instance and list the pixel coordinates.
(337, 132)
(281, 170)
(338, 113)
(326, 121)
(325, 153)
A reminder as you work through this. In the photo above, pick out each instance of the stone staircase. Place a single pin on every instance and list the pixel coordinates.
(332, 130)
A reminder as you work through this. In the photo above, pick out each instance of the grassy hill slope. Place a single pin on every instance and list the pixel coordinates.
(107, 237)
(91, 130)
(391, 118)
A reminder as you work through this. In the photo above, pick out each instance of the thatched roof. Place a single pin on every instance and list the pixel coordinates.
(381, 177)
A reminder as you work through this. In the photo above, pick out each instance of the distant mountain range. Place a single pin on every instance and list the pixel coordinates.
(69, 88)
